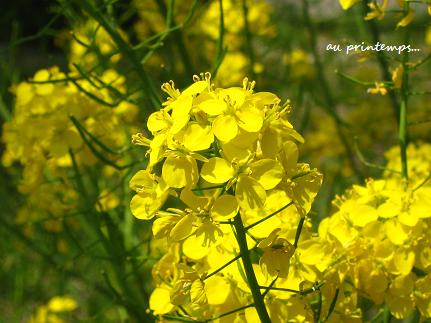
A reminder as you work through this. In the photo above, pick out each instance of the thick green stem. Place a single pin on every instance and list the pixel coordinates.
(387, 316)
(259, 303)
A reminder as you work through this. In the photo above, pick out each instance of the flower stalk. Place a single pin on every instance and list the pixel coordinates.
(403, 107)
(259, 303)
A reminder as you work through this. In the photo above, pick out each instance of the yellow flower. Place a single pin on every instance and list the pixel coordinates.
(62, 304)
(277, 252)
(152, 193)
(407, 19)
(397, 76)
(378, 89)
(225, 153)
(377, 10)
(49, 313)
(346, 4)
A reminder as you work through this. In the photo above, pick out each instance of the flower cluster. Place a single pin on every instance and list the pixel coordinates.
(92, 45)
(205, 31)
(378, 240)
(219, 156)
(378, 10)
(53, 311)
(54, 114)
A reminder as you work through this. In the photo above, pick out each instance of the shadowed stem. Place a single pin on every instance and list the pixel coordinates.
(259, 303)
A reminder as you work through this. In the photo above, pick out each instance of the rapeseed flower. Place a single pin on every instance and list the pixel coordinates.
(218, 155)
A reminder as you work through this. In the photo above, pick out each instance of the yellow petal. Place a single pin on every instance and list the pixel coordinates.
(44, 89)
(162, 226)
(289, 157)
(192, 200)
(407, 19)
(198, 137)
(250, 119)
(183, 228)
(388, 209)
(160, 301)
(141, 179)
(180, 113)
(62, 304)
(421, 207)
(402, 285)
(400, 307)
(156, 122)
(231, 151)
(395, 232)
(224, 208)
(245, 139)
(179, 172)
(225, 128)
(311, 252)
(408, 219)
(195, 88)
(346, 4)
(267, 172)
(404, 261)
(305, 190)
(217, 171)
(24, 93)
(213, 107)
(234, 94)
(193, 247)
(249, 193)
(360, 214)
(144, 207)
(217, 289)
(423, 295)
(341, 230)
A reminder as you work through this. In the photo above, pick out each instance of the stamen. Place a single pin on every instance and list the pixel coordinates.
(170, 89)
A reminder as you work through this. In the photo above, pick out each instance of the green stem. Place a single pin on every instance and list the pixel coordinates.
(268, 216)
(230, 312)
(4, 111)
(113, 246)
(307, 291)
(384, 67)
(298, 231)
(387, 316)
(402, 135)
(177, 34)
(330, 104)
(248, 38)
(124, 47)
(259, 303)
(221, 50)
(222, 267)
